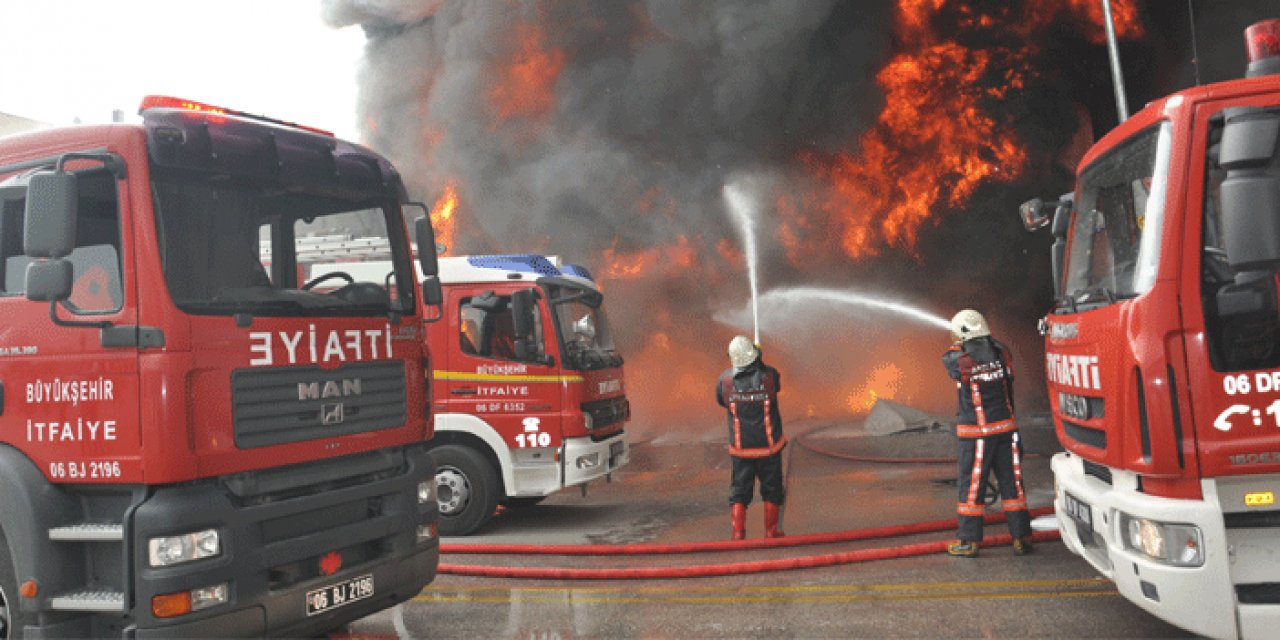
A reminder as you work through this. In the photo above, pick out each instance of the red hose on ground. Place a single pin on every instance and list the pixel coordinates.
(709, 570)
(720, 545)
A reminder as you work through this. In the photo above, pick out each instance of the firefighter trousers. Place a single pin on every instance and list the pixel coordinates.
(978, 457)
(745, 472)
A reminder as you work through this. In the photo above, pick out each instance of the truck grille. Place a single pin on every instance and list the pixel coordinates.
(1096, 470)
(1085, 435)
(608, 411)
(292, 404)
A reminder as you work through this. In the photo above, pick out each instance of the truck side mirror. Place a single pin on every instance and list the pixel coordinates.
(425, 236)
(432, 294)
(49, 226)
(1251, 190)
(1062, 216)
(49, 234)
(523, 305)
(1034, 214)
(49, 280)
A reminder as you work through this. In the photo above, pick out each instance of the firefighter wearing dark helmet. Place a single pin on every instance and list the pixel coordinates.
(987, 432)
(749, 392)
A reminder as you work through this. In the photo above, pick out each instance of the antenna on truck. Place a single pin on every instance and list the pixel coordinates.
(1117, 76)
(1195, 50)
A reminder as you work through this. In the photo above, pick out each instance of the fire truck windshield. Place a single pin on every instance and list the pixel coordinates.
(1114, 249)
(586, 339)
(231, 247)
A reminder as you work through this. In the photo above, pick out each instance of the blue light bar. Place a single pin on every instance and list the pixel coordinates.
(525, 262)
(577, 270)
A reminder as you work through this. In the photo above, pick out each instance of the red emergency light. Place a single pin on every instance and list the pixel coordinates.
(170, 102)
(1262, 42)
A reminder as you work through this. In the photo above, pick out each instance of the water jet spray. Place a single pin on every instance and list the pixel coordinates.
(745, 212)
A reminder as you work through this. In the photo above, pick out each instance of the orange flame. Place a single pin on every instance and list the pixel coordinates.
(628, 265)
(884, 381)
(442, 220)
(526, 86)
(935, 142)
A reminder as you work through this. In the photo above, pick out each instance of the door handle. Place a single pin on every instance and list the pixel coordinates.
(464, 391)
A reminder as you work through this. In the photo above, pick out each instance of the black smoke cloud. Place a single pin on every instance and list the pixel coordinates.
(665, 101)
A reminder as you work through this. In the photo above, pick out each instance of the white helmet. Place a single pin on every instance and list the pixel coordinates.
(967, 325)
(742, 352)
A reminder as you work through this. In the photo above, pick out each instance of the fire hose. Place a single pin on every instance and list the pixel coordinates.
(709, 570)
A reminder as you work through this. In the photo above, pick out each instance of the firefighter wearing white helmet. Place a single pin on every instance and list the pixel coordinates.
(749, 392)
(987, 433)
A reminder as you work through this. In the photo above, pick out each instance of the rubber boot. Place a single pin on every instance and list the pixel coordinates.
(739, 521)
(771, 512)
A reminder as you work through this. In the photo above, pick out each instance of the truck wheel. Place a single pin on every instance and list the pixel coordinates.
(466, 489)
(11, 621)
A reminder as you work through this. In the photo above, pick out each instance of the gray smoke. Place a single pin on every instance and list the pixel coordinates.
(658, 103)
(666, 94)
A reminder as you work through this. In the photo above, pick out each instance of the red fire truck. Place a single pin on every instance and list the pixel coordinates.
(1163, 353)
(528, 392)
(195, 440)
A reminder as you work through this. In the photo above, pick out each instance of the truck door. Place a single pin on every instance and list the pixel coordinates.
(71, 392)
(518, 394)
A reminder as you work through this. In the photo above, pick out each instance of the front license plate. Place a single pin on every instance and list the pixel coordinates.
(1079, 511)
(337, 595)
(616, 449)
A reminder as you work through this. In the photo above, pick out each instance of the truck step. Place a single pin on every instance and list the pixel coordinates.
(88, 600)
(88, 532)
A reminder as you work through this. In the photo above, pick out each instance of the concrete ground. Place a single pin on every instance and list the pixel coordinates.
(676, 491)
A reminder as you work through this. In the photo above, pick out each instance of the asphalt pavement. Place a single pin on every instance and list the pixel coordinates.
(839, 478)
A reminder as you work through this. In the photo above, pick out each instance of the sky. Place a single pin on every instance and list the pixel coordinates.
(63, 60)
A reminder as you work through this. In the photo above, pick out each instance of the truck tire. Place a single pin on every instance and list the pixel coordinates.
(466, 489)
(11, 619)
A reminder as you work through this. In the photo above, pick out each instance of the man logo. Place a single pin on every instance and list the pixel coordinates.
(328, 389)
(331, 413)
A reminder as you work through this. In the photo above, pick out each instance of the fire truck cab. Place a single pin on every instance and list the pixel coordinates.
(195, 440)
(528, 392)
(1163, 353)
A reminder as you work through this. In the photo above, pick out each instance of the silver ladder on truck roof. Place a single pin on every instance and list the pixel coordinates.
(334, 248)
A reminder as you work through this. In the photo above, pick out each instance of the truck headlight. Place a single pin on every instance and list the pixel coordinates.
(170, 550)
(588, 461)
(1176, 544)
(427, 491)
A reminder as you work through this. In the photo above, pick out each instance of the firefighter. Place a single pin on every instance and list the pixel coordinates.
(987, 433)
(749, 392)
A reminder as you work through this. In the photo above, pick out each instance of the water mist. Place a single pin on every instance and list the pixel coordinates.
(745, 212)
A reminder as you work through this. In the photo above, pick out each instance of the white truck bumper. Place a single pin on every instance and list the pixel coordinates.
(536, 473)
(585, 460)
(1199, 599)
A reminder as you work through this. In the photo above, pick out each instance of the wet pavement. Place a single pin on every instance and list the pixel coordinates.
(675, 491)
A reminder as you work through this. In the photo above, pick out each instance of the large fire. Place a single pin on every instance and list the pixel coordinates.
(939, 137)
(935, 141)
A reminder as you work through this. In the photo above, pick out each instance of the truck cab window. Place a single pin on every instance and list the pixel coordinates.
(96, 268)
(1114, 249)
(487, 327)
